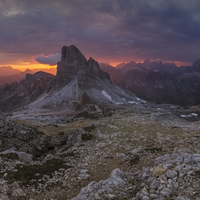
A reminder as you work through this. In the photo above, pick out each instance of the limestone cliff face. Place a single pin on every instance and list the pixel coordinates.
(72, 55)
(73, 63)
(34, 84)
(96, 70)
(18, 94)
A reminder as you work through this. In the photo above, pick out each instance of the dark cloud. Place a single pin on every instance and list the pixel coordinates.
(114, 30)
(50, 59)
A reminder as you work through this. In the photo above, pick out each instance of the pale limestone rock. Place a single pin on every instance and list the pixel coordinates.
(159, 170)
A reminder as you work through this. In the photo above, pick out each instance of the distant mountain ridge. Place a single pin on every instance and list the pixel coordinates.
(159, 82)
(18, 94)
(9, 75)
(8, 71)
(14, 78)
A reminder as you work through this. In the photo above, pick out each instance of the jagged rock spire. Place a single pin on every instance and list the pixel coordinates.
(72, 54)
(96, 70)
(74, 64)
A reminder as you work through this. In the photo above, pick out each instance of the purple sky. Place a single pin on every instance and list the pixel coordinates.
(107, 30)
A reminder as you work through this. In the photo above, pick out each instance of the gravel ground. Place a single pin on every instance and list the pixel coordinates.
(138, 154)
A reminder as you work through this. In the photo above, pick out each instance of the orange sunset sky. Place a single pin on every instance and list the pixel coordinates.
(33, 32)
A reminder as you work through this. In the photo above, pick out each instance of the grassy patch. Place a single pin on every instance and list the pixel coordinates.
(86, 136)
(21, 198)
(197, 173)
(86, 115)
(10, 156)
(89, 128)
(61, 133)
(26, 173)
(154, 149)
(134, 160)
(38, 132)
(70, 154)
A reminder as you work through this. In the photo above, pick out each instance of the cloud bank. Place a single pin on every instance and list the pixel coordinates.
(106, 30)
(50, 59)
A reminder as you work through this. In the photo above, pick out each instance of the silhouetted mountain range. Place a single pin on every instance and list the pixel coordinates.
(18, 94)
(14, 78)
(159, 82)
(9, 75)
(81, 81)
(8, 71)
(78, 81)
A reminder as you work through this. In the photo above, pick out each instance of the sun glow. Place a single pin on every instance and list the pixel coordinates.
(114, 63)
(31, 66)
(177, 63)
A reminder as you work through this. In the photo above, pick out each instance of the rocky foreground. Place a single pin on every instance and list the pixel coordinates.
(149, 153)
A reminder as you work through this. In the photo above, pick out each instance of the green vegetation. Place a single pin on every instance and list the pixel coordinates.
(86, 115)
(134, 160)
(26, 173)
(154, 150)
(10, 156)
(85, 137)
(89, 128)
(70, 154)
(61, 133)
(38, 132)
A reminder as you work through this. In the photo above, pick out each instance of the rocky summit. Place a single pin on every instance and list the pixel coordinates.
(73, 63)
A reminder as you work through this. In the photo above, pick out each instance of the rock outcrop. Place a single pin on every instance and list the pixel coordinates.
(35, 84)
(18, 94)
(72, 55)
(96, 70)
(73, 63)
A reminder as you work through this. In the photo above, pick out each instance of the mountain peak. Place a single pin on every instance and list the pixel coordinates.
(73, 55)
(74, 64)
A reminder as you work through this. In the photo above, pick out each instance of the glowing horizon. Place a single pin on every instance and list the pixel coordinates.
(22, 66)
(32, 66)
